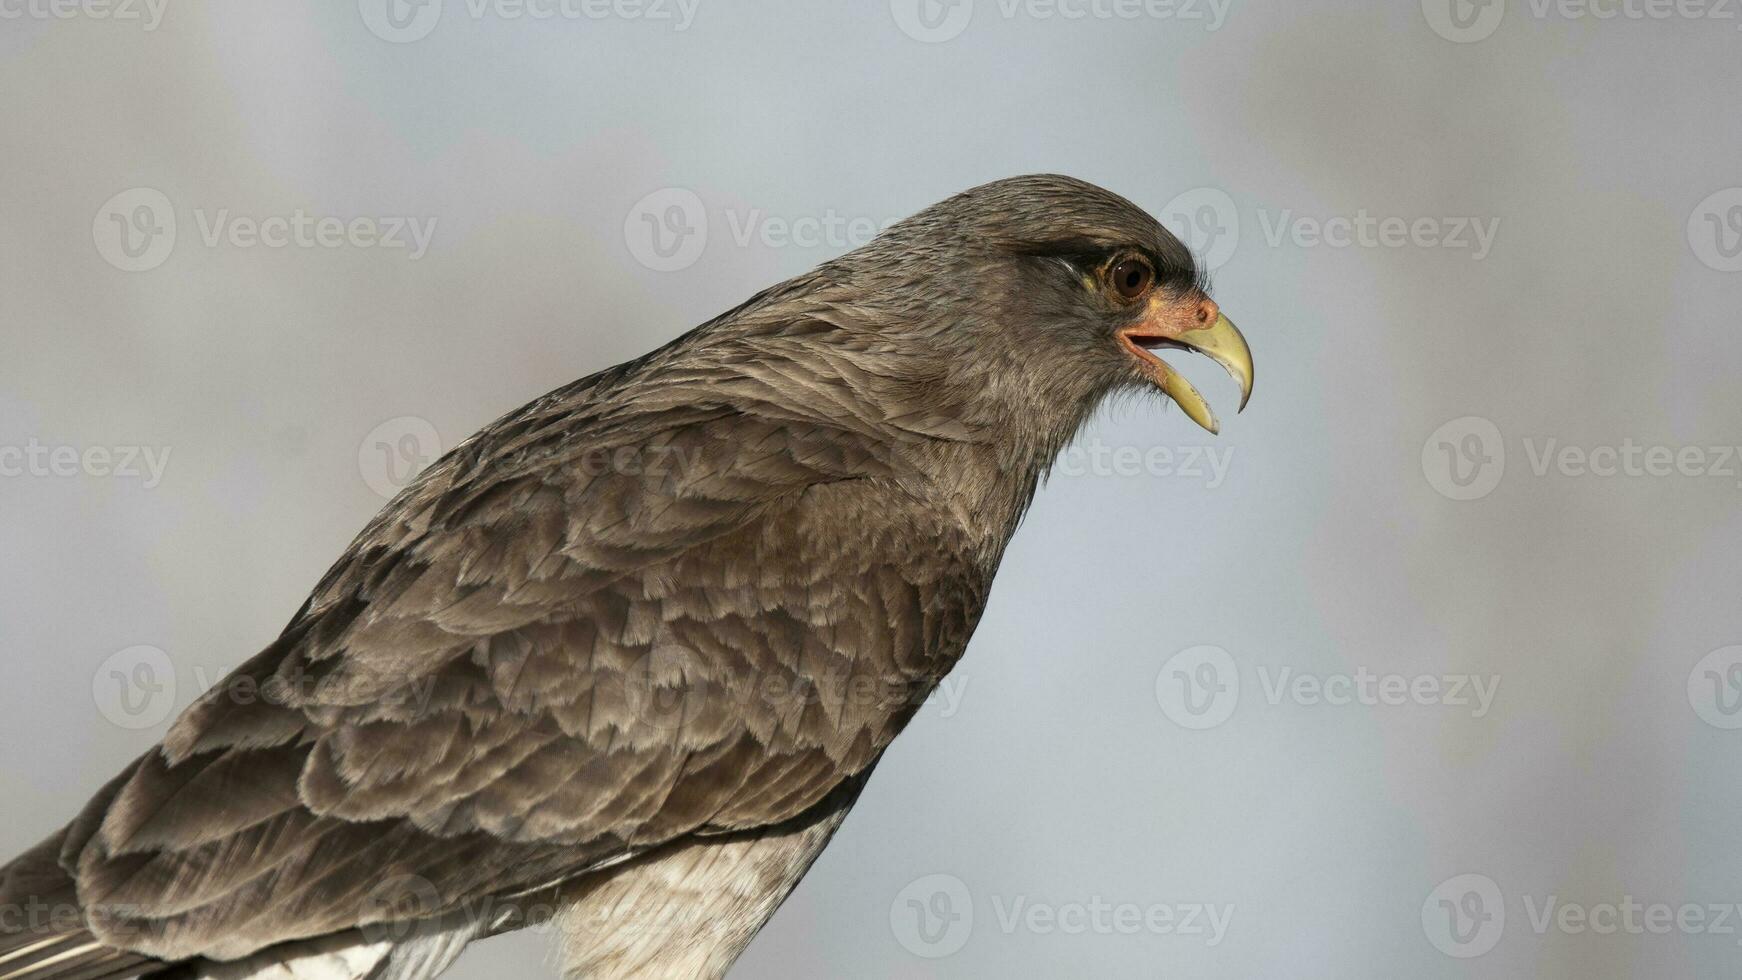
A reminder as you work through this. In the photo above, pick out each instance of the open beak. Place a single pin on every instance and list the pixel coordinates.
(1221, 341)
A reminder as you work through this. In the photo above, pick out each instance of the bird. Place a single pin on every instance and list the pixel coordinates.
(620, 663)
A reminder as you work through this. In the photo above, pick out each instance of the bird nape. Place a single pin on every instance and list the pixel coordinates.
(625, 658)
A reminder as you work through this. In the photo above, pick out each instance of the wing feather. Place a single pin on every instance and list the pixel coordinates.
(600, 625)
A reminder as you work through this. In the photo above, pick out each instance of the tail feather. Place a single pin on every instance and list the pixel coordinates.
(67, 956)
(41, 937)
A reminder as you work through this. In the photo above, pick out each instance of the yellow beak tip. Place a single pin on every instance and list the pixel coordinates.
(1222, 342)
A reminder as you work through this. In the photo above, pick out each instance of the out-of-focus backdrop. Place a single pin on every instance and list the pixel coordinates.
(1428, 667)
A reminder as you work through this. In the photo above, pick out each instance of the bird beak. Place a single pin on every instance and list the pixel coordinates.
(1173, 323)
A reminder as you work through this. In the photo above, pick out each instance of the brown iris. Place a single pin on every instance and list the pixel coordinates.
(1131, 277)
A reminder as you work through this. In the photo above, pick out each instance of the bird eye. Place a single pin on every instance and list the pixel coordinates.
(1131, 277)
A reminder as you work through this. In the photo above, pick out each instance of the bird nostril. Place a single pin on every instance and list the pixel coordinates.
(1207, 311)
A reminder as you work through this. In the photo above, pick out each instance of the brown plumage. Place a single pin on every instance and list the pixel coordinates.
(638, 643)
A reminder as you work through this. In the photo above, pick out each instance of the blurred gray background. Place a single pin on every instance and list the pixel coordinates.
(1488, 256)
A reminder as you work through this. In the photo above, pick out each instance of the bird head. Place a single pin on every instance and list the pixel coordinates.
(1051, 288)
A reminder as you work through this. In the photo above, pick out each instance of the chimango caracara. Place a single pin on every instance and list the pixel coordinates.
(630, 653)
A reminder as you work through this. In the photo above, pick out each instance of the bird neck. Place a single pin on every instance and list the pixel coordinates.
(971, 429)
